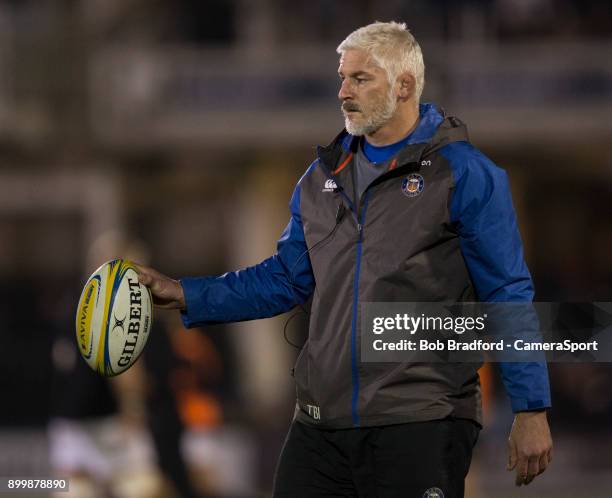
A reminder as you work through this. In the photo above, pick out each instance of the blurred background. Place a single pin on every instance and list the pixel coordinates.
(173, 132)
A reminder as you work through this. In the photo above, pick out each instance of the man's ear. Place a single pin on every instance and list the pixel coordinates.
(407, 86)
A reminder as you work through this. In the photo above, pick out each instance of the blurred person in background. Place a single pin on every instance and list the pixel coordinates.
(372, 220)
(121, 437)
(97, 430)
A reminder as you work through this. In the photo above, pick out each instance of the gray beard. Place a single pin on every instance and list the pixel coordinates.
(381, 113)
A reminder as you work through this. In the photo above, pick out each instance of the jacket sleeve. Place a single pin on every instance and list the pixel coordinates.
(483, 215)
(269, 288)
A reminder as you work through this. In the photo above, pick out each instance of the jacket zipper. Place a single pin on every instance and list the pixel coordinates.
(354, 367)
(359, 220)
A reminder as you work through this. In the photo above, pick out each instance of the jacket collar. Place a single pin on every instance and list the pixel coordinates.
(423, 136)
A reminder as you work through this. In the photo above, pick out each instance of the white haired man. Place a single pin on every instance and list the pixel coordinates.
(400, 207)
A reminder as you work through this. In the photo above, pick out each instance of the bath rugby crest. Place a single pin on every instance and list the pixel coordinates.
(413, 185)
(433, 493)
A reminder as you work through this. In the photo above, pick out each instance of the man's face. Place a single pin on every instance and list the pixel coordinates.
(368, 101)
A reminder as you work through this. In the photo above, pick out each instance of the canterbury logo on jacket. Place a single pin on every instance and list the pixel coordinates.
(439, 225)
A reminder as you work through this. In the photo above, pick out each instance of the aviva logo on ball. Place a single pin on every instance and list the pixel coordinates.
(90, 297)
(114, 317)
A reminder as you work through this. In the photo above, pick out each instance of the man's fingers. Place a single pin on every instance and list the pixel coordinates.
(157, 286)
(543, 462)
(533, 468)
(154, 280)
(139, 268)
(512, 458)
(144, 278)
(528, 468)
(167, 292)
(145, 275)
(519, 480)
(522, 466)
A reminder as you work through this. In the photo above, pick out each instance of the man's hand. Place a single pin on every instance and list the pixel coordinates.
(167, 293)
(529, 446)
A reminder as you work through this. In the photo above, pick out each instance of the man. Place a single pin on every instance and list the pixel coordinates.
(398, 208)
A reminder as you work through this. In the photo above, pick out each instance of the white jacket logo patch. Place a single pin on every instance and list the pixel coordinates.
(330, 185)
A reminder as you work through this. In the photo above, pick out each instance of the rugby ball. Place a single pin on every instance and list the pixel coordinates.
(114, 317)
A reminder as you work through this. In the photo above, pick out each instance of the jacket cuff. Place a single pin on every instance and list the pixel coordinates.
(525, 405)
(193, 314)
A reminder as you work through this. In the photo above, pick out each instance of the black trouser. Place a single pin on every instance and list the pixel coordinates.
(393, 461)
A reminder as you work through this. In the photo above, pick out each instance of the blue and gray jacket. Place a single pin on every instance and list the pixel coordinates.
(439, 225)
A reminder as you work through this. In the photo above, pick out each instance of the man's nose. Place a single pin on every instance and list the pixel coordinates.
(346, 91)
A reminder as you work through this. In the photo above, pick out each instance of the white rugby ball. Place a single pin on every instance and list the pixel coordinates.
(114, 318)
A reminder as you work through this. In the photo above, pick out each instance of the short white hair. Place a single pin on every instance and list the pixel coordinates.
(392, 47)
